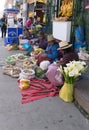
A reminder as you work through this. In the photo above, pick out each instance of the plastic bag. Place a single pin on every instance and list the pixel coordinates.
(66, 92)
(54, 76)
(83, 55)
(26, 46)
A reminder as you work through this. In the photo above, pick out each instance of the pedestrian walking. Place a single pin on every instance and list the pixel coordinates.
(3, 29)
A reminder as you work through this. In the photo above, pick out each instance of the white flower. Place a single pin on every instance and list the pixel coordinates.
(69, 64)
(70, 68)
(80, 67)
(73, 70)
(71, 74)
(66, 70)
(61, 69)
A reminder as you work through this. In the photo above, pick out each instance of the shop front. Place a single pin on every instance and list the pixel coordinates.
(62, 21)
(68, 14)
(37, 8)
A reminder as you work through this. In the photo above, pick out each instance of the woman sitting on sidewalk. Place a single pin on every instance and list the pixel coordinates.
(53, 75)
(26, 34)
(51, 53)
(42, 41)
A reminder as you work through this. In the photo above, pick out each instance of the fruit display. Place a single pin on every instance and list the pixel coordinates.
(36, 52)
(24, 84)
(10, 47)
(66, 8)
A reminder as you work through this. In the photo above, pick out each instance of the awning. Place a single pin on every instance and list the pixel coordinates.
(16, 11)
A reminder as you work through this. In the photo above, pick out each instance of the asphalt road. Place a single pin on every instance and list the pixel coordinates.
(50, 113)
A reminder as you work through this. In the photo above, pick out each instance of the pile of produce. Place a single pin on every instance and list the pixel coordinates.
(13, 58)
(11, 67)
(27, 74)
(66, 8)
(24, 84)
(29, 63)
(10, 47)
(36, 51)
(18, 63)
(40, 73)
(11, 70)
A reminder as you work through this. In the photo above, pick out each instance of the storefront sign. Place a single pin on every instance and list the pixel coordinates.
(86, 4)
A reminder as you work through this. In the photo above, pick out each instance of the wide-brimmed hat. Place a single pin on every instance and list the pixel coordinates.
(64, 45)
(50, 38)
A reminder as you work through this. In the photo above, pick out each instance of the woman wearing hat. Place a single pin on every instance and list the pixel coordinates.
(51, 53)
(68, 53)
(42, 41)
(53, 75)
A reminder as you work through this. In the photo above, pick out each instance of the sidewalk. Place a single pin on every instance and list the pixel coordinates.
(46, 114)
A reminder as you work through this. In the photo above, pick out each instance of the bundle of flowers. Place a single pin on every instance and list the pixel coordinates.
(71, 72)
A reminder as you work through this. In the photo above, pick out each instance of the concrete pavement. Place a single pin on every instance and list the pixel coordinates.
(50, 113)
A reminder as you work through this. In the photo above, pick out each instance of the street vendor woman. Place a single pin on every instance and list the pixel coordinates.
(42, 41)
(51, 53)
(52, 73)
(26, 34)
(68, 53)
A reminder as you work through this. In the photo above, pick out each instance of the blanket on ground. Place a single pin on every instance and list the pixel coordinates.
(39, 88)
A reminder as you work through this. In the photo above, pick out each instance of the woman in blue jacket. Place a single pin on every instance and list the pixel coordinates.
(51, 53)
